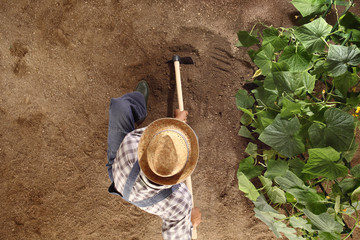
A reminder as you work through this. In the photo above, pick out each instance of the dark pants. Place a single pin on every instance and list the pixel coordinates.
(124, 112)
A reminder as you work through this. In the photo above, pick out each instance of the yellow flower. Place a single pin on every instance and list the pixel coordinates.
(327, 197)
(312, 19)
(355, 115)
(323, 91)
(297, 16)
(344, 210)
(354, 89)
(294, 199)
(357, 110)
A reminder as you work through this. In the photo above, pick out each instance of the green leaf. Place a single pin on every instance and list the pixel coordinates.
(350, 21)
(289, 181)
(329, 236)
(348, 185)
(289, 108)
(275, 194)
(283, 136)
(355, 195)
(251, 149)
(355, 171)
(247, 187)
(338, 132)
(350, 153)
(243, 100)
(271, 35)
(247, 112)
(247, 166)
(298, 222)
(324, 222)
(268, 220)
(309, 198)
(246, 40)
(263, 206)
(321, 162)
(265, 118)
(340, 58)
(312, 35)
(345, 81)
(290, 233)
(264, 59)
(296, 165)
(280, 67)
(309, 7)
(276, 168)
(265, 97)
(245, 119)
(244, 132)
(297, 83)
(296, 57)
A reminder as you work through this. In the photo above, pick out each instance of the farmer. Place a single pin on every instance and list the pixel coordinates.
(147, 166)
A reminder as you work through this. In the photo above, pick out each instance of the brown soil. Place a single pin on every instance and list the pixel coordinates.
(60, 63)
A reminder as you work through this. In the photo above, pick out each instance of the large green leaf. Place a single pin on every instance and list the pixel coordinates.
(297, 165)
(324, 222)
(299, 222)
(329, 236)
(275, 194)
(345, 81)
(246, 40)
(247, 166)
(289, 181)
(264, 97)
(271, 35)
(312, 35)
(264, 59)
(243, 100)
(283, 136)
(355, 171)
(337, 133)
(296, 57)
(309, 7)
(289, 108)
(276, 168)
(247, 187)
(340, 58)
(322, 162)
(297, 83)
(309, 198)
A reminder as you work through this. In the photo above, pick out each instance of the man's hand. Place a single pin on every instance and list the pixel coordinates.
(195, 216)
(181, 115)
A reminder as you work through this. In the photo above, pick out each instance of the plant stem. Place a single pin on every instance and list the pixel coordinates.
(355, 225)
(328, 9)
(347, 39)
(336, 25)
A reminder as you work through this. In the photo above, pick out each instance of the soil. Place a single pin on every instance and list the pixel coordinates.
(62, 61)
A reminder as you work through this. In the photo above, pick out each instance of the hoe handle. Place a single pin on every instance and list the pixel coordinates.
(181, 107)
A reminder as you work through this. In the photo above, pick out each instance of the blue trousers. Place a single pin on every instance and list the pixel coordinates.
(124, 112)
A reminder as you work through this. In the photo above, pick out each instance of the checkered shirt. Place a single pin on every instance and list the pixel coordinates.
(175, 210)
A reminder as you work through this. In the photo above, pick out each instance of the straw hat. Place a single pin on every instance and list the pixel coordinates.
(168, 151)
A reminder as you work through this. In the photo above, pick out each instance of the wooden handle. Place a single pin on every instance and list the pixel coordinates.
(178, 85)
(181, 108)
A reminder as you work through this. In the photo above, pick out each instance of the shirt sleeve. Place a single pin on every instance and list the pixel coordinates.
(177, 221)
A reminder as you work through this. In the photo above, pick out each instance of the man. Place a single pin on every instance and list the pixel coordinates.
(147, 166)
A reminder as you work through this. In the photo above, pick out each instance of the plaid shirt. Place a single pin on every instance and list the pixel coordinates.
(175, 210)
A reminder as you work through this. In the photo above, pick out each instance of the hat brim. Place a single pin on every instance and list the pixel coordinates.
(189, 134)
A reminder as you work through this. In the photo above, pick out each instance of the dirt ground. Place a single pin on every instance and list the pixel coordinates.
(62, 61)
